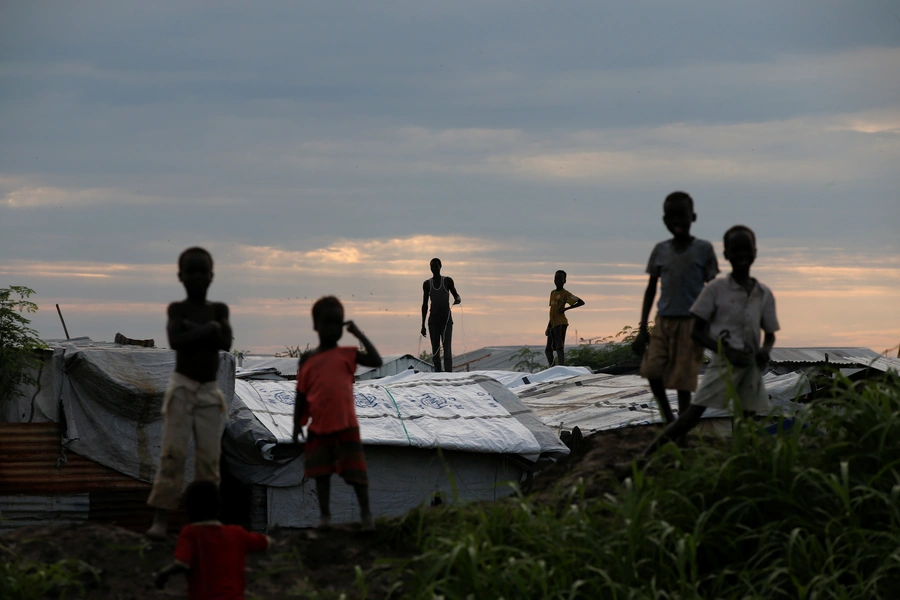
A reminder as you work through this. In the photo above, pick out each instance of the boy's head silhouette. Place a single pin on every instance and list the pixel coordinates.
(195, 271)
(328, 319)
(678, 213)
(740, 246)
(436, 266)
(201, 499)
(559, 279)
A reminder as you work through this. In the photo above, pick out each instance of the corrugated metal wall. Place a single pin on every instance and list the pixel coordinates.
(31, 472)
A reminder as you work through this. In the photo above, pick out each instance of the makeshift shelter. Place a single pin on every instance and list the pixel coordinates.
(461, 436)
(87, 436)
(98, 404)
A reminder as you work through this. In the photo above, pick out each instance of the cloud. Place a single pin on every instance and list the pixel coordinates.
(821, 296)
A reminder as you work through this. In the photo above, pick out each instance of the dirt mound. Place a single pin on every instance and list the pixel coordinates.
(117, 564)
(592, 463)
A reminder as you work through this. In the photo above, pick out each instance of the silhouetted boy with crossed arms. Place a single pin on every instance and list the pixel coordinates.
(684, 264)
(193, 404)
(325, 395)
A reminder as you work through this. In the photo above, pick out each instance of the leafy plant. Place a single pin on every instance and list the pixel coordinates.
(426, 356)
(527, 360)
(293, 351)
(19, 343)
(605, 351)
(29, 580)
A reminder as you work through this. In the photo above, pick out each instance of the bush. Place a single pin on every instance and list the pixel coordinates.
(605, 352)
(811, 512)
(19, 343)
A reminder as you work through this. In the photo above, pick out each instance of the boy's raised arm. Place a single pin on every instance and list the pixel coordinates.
(369, 357)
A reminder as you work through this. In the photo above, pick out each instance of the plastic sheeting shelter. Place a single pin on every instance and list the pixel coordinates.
(599, 402)
(107, 399)
(485, 434)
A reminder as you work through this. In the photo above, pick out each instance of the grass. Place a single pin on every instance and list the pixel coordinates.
(810, 513)
(30, 580)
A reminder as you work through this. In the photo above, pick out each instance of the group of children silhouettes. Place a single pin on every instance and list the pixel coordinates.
(696, 311)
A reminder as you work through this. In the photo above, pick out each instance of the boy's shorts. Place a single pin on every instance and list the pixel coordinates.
(338, 452)
(672, 354)
(747, 383)
(557, 338)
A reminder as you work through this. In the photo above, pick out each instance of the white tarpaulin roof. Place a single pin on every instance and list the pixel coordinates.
(455, 411)
(598, 402)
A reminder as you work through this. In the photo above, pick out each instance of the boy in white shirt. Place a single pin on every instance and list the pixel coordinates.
(731, 311)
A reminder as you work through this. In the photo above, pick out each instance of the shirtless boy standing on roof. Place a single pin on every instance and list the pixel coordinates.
(440, 322)
(193, 403)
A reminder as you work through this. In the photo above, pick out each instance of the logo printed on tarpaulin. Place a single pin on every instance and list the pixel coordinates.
(431, 401)
(284, 397)
(362, 400)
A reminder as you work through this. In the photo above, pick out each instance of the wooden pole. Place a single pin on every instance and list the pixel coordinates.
(63, 322)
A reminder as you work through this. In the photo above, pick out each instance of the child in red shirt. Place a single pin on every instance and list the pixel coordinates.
(212, 554)
(325, 395)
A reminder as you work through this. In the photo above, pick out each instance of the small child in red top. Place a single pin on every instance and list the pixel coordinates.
(210, 553)
(325, 394)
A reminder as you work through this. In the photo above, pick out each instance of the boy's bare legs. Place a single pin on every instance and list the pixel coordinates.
(160, 525)
(686, 421)
(362, 494)
(684, 402)
(549, 354)
(659, 392)
(561, 356)
(446, 340)
(323, 491)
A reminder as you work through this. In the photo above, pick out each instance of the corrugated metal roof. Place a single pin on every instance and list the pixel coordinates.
(500, 358)
(881, 363)
(393, 365)
(28, 464)
(835, 356)
(29, 475)
(20, 511)
(494, 358)
(287, 366)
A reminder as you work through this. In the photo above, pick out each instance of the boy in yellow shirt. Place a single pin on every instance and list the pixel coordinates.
(556, 328)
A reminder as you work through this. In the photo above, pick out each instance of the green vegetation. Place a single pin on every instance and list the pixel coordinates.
(605, 352)
(527, 360)
(811, 512)
(29, 580)
(18, 342)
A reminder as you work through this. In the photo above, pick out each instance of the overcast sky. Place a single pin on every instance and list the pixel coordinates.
(335, 148)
